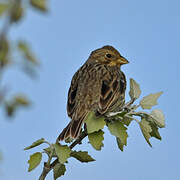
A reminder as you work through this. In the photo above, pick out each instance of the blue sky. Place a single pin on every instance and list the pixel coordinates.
(147, 34)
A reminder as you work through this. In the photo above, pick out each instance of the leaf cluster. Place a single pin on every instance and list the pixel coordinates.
(117, 123)
(12, 12)
(61, 152)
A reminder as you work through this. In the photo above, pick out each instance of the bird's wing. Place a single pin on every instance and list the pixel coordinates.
(112, 92)
(71, 103)
(75, 109)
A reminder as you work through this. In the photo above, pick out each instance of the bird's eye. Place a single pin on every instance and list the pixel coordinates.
(108, 55)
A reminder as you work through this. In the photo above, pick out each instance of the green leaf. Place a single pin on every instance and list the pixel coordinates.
(16, 12)
(10, 109)
(155, 132)
(82, 156)
(135, 90)
(13, 104)
(34, 161)
(59, 170)
(39, 4)
(22, 100)
(63, 152)
(119, 130)
(36, 143)
(27, 53)
(120, 144)
(158, 118)
(94, 123)
(96, 139)
(146, 130)
(151, 100)
(3, 8)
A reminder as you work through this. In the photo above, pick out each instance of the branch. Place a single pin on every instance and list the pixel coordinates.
(47, 168)
(127, 107)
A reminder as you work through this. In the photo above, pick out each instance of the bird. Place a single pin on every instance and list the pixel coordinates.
(98, 86)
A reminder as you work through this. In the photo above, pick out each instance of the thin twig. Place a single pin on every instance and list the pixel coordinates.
(129, 103)
(45, 172)
(47, 168)
(126, 106)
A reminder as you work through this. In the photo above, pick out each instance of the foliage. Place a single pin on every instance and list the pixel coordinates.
(118, 129)
(62, 152)
(117, 123)
(96, 139)
(34, 160)
(40, 5)
(93, 123)
(59, 170)
(82, 156)
(13, 12)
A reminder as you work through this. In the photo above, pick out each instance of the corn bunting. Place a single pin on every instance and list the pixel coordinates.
(98, 86)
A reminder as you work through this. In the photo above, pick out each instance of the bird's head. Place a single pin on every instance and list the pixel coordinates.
(108, 55)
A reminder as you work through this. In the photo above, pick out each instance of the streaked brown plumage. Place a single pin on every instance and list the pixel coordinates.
(99, 86)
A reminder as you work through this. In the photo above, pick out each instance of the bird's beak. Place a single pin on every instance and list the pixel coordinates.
(122, 60)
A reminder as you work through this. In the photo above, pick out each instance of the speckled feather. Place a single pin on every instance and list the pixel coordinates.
(97, 86)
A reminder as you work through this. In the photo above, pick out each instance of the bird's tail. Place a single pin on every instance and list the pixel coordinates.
(71, 130)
